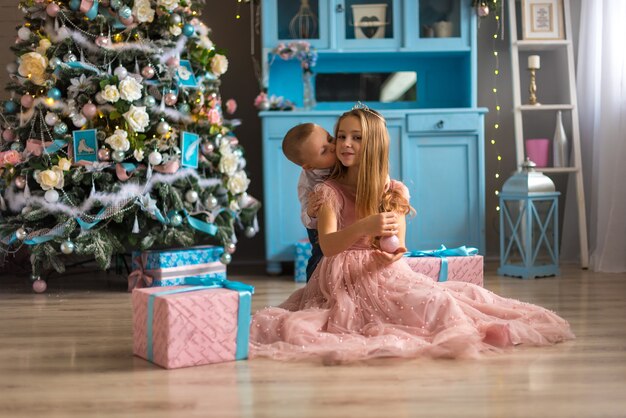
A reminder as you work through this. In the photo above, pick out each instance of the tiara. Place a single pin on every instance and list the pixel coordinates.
(362, 106)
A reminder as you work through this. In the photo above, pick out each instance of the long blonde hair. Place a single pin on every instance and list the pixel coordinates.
(371, 194)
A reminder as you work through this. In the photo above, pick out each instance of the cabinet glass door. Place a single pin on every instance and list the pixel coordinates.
(305, 20)
(437, 24)
(368, 24)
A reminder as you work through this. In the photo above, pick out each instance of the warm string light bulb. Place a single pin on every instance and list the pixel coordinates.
(495, 78)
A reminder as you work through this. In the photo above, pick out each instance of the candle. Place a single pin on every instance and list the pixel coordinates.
(533, 62)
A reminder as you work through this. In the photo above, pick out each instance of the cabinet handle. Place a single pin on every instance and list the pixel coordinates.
(439, 124)
(339, 8)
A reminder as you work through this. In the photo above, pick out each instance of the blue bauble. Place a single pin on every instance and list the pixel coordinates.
(183, 108)
(74, 4)
(116, 4)
(188, 30)
(60, 128)
(54, 93)
(125, 12)
(10, 107)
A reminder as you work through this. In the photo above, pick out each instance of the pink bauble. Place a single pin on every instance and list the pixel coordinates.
(207, 148)
(173, 62)
(147, 71)
(8, 135)
(104, 154)
(127, 22)
(40, 286)
(171, 99)
(90, 110)
(103, 41)
(53, 9)
(389, 244)
(27, 101)
(20, 182)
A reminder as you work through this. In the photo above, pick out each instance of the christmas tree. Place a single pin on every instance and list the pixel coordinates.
(114, 137)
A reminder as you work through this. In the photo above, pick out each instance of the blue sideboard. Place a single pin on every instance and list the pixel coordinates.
(417, 66)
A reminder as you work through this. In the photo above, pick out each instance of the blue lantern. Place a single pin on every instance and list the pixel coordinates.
(529, 233)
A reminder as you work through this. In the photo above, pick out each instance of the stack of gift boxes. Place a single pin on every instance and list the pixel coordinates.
(185, 311)
(461, 264)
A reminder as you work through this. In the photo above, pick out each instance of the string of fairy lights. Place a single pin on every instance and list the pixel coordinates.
(498, 34)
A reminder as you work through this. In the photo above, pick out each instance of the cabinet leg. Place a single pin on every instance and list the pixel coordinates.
(274, 268)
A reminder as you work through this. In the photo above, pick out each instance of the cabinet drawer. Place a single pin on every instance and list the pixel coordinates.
(447, 122)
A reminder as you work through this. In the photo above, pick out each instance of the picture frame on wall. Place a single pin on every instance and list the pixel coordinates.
(542, 20)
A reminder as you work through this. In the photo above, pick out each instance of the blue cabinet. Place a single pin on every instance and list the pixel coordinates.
(413, 60)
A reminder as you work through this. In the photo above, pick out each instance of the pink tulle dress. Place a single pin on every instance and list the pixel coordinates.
(356, 308)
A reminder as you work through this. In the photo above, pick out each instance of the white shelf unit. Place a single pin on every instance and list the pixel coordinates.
(527, 110)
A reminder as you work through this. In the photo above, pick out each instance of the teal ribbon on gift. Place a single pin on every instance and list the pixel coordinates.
(199, 283)
(443, 253)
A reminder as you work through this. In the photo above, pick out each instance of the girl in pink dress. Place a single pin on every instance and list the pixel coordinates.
(362, 302)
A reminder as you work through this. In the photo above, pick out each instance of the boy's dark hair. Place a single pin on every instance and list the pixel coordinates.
(293, 140)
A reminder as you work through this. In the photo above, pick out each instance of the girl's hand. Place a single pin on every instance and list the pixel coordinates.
(382, 224)
(388, 258)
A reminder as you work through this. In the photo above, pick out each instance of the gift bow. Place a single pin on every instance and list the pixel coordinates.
(443, 253)
(138, 277)
(243, 313)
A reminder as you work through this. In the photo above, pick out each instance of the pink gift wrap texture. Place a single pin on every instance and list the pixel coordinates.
(189, 329)
(461, 269)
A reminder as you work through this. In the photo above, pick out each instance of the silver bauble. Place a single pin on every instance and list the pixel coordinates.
(51, 118)
(21, 234)
(51, 196)
(155, 158)
(250, 232)
(191, 196)
(226, 258)
(211, 202)
(176, 220)
(163, 128)
(118, 156)
(67, 247)
(121, 72)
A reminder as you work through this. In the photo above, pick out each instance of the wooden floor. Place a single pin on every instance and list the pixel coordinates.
(67, 353)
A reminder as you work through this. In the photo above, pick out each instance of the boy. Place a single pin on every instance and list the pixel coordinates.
(311, 147)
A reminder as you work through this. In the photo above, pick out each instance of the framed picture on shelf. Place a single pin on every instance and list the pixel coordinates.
(542, 20)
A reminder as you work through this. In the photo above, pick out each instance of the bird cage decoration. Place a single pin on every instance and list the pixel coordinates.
(529, 236)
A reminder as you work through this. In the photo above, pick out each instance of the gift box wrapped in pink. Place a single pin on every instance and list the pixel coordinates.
(182, 326)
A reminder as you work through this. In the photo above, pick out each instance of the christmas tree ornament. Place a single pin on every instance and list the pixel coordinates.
(54, 93)
(188, 30)
(103, 41)
(79, 120)
(27, 101)
(230, 247)
(60, 128)
(20, 182)
(176, 220)
(155, 158)
(148, 72)
(250, 232)
(8, 135)
(53, 9)
(104, 154)
(171, 99)
(10, 107)
(89, 110)
(226, 258)
(389, 244)
(54, 62)
(51, 196)
(74, 4)
(125, 12)
(21, 234)
(149, 101)
(69, 57)
(184, 108)
(121, 72)
(175, 19)
(116, 4)
(118, 156)
(16, 146)
(207, 148)
(191, 196)
(51, 118)
(24, 33)
(39, 285)
(163, 128)
(211, 202)
(67, 247)
(12, 67)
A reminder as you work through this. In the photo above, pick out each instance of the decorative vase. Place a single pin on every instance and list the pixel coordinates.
(559, 143)
(308, 98)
